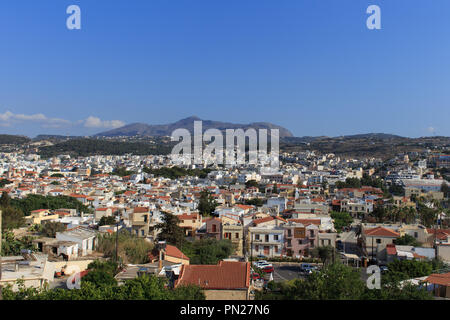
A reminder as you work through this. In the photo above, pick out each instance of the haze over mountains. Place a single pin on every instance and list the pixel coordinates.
(142, 129)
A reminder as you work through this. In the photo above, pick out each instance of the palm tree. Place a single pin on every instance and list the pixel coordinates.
(325, 253)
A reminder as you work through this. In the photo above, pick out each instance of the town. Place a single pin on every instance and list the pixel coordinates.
(74, 226)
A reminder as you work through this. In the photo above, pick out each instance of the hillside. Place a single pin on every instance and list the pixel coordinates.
(88, 147)
(142, 129)
(13, 140)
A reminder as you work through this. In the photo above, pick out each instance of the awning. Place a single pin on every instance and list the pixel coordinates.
(351, 256)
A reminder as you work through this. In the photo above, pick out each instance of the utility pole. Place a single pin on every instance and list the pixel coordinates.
(117, 242)
(435, 238)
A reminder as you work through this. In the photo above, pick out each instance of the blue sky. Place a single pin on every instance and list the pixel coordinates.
(311, 66)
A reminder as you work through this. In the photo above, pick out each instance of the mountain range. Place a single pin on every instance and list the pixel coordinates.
(142, 129)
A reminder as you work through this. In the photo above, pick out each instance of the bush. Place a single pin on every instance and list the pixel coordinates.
(131, 248)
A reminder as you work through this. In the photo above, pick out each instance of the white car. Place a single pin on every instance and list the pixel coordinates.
(262, 264)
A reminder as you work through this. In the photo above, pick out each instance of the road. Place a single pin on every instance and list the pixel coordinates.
(350, 242)
(284, 272)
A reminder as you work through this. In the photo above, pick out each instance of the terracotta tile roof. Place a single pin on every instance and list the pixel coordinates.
(381, 232)
(173, 251)
(243, 206)
(141, 210)
(440, 279)
(441, 234)
(227, 275)
(306, 222)
(267, 219)
(186, 216)
(391, 249)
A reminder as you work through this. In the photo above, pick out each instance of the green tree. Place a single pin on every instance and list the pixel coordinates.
(427, 215)
(407, 240)
(12, 218)
(131, 249)
(107, 221)
(379, 213)
(4, 200)
(99, 278)
(12, 246)
(170, 231)
(251, 183)
(207, 204)
(208, 251)
(324, 253)
(396, 190)
(445, 189)
(399, 270)
(275, 189)
(341, 219)
(335, 282)
(50, 228)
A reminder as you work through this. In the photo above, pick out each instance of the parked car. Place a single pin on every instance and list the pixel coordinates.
(306, 268)
(265, 265)
(262, 264)
(267, 269)
(255, 276)
(383, 269)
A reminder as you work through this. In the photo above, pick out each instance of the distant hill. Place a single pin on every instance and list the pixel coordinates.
(54, 137)
(12, 139)
(142, 129)
(88, 147)
(364, 136)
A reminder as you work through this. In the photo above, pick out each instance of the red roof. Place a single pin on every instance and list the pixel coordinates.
(173, 251)
(441, 234)
(381, 232)
(267, 219)
(227, 275)
(306, 222)
(245, 207)
(186, 216)
(391, 249)
(440, 279)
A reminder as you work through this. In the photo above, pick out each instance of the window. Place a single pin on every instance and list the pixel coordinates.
(311, 233)
(142, 232)
(256, 236)
(256, 248)
(267, 238)
(275, 237)
(416, 235)
(289, 243)
(378, 240)
(299, 242)
(276, 249)
(214, 228)
(236, 235)
(289, 233)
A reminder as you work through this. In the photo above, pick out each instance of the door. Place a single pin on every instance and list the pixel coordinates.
(266, 250)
